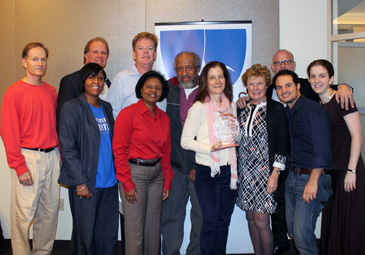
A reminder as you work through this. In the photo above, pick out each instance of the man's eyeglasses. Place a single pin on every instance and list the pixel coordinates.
(285, 62)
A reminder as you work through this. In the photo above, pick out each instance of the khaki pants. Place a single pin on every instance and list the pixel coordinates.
(37, 204)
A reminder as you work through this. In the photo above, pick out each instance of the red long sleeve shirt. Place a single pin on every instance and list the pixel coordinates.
(28, 120)
(139, 135)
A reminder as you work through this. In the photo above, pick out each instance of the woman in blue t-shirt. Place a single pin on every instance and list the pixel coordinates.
(86, 128)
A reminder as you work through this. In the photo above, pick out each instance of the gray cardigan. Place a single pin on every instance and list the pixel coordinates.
(79, 137)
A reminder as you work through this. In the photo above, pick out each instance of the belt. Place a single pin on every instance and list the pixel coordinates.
(42, 150)
(144, 162)
(300, 171)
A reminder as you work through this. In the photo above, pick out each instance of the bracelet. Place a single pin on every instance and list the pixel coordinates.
(277, 171)
(81, 188)
(351, 170)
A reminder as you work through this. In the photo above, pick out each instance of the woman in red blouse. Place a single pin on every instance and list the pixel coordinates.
(142, 148)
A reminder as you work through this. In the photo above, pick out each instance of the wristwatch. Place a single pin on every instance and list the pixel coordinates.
(351, 170)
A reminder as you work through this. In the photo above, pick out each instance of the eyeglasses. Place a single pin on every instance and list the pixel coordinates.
(285, 62)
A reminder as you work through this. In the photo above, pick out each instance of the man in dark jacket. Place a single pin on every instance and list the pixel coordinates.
(96, 51)
(183, 89)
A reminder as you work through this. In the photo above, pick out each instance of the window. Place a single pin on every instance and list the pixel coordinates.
(347, 45)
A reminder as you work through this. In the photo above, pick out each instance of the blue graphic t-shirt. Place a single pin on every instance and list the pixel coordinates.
(105, 176)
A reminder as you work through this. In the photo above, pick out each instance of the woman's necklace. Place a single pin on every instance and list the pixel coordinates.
(332, 93)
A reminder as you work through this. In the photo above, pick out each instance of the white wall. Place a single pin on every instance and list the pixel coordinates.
(303, 31)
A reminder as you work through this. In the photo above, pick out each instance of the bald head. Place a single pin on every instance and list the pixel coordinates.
(283, 60)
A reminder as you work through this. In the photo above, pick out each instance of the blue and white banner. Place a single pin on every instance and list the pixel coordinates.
(228, 42)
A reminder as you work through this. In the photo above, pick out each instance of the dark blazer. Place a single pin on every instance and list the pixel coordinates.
(69, 89)
(277, 128)
(79, 137)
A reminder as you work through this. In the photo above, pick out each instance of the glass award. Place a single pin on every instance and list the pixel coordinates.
(227, 129)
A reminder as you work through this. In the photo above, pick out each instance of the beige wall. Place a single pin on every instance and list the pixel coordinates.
(7, 49)
(65, 27)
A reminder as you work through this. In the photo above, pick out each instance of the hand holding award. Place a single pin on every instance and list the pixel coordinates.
(227, 130)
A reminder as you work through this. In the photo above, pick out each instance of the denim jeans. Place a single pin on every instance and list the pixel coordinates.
(301, 217)
(217, 202)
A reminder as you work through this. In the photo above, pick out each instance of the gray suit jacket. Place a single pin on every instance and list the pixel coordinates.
(79, 137)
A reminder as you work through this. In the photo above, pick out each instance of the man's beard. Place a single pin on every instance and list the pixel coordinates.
(188, 84)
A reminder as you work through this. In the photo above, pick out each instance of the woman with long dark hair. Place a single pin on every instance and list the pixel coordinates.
(216, 173)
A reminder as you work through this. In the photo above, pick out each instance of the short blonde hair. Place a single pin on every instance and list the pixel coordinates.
(256, 71)
(145, 35)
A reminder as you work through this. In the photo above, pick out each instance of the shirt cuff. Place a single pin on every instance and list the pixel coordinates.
(279, 165)
(21, 169)
(319, 162)
(128, 185)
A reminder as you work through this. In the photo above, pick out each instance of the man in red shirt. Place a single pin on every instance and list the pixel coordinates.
(29, 134)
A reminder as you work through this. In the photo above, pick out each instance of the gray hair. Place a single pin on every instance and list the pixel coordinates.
(197, 60)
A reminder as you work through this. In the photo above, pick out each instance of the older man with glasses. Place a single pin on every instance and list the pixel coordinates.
(284, 60)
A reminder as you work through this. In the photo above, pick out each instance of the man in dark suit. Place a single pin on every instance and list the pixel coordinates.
(96, 51)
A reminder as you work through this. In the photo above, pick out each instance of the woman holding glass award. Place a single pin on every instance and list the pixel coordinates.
(216, 173)
(261, 156)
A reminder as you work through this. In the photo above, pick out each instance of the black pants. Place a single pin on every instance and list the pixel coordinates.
(278, 219)
(122, 233)
(95, 221)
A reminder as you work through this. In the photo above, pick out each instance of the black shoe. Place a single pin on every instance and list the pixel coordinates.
(281, 250)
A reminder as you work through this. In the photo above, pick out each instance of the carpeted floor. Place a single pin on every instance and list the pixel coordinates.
(62, 248)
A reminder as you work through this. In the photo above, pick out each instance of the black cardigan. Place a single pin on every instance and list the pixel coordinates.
(277, 128)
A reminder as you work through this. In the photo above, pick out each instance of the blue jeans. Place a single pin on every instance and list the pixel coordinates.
(217, 202)
(301, 217)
